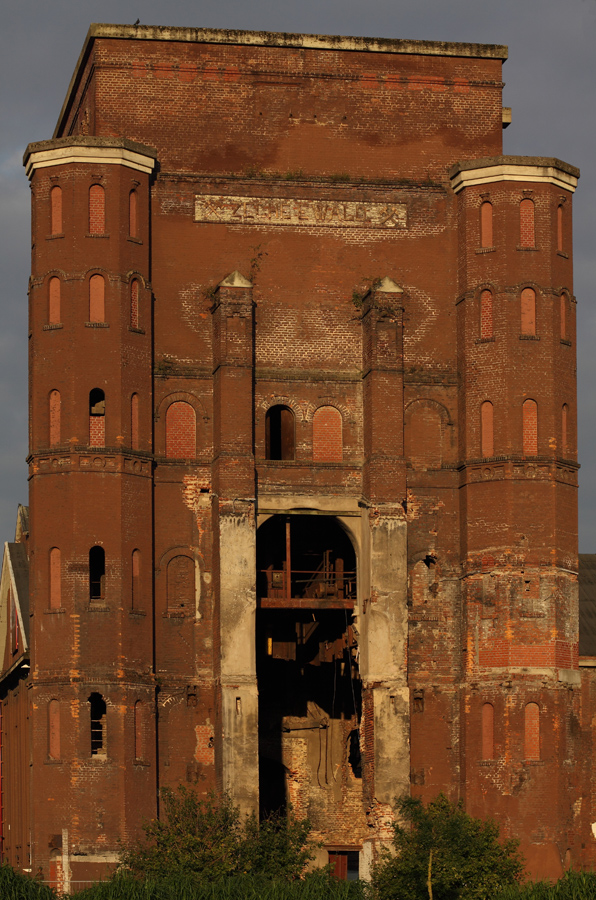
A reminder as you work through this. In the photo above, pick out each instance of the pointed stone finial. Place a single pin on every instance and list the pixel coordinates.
(388, 286)
(235, 279)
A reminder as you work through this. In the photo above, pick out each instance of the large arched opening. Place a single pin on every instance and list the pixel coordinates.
(307, 664)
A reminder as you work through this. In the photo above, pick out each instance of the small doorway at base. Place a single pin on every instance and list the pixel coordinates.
(345, 864)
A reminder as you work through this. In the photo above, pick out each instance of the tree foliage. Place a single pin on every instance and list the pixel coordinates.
(208, 840)
(468, 862)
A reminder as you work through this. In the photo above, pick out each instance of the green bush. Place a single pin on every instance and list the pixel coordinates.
(444, 850)
(206, 839)
(572, 886)
(16, 886)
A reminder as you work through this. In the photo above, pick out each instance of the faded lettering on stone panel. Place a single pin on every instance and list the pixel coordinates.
(283, 211)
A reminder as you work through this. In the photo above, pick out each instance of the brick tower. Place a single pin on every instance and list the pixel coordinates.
(303, 451)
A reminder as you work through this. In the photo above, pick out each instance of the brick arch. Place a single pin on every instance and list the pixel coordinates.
(281, 400)
(346, 414)
(161, 412)
(134, 273)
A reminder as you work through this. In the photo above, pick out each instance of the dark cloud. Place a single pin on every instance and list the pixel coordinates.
(550, 81)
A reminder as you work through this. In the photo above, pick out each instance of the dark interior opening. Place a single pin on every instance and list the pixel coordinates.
(279, 433)
(307, 671)
(97, 573)
(98, 720)
(97, 402)
(303, 558)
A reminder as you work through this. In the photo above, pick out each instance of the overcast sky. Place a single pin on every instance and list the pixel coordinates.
(550, 83)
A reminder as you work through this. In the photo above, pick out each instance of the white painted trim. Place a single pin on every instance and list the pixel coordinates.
(60, 156)
(509, 172)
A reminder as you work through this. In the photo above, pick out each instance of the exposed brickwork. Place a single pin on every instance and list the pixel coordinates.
(488, 728)
(55, 418)
(486, 315)
(97, 431)
(180, 431)
(487, 428)
(134, 303)
(486, 224)
(528, 311)
(56, 209)
(532, 731)
(97, 287)
(530, 427)
(327, 444)
(133, 223)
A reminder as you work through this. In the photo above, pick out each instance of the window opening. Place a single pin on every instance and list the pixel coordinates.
(139, 729)
(56, 209)
(279, 433)
(136, 579)
(344, 864)
(54, 301)
(97, 573)
(97, 420)
(526, 223)
(181, 431)
(486, 428)
(564, 412)
(530, 427)
(486, 224)
(132, 214)
(97, 286)
(563, 303)
(97, 209)
(55, 413)
(528, 311)
(54, 729)
(532, 731)
(55, 578)
(97, 710)
(560, 228)
(327, 435)
(488, 718)
(134, 421)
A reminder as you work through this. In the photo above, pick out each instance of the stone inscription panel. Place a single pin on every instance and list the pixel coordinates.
(284, 211)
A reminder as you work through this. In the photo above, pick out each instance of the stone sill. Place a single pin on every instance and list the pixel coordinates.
(96, 325)
(55, 327)
(486, 250)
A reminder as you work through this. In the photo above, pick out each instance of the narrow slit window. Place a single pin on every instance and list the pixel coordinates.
(132, 214)
(136, 579)
(97, 418)
(528, 311)
(486, 315)
(279, 433)
(560, 228)
(134, 303)
(563, 305)
(486, 429)
(564, 414)
(527, 236)
(532, 731)
(54, 291)
(97, 209)
(97, 715)
(54, 729)
(486, 224)
(55, 578)
(488, 724)
(530, 427)
(139, 727)
(56, 209)
(134, 421)
(97, 573)
(55, 417)
(97, 291)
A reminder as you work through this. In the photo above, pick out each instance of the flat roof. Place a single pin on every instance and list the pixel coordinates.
(273, 39)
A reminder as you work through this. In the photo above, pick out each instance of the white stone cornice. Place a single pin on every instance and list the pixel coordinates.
(489, 174)
(60, 156)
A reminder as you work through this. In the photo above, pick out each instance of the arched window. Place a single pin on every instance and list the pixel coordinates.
(327, 435)
(181, 583)
(136, 591)
(56, 209)
(134, 303)
(488, 717)
(486, 429)
(279, 433)
(97, 573)
(97, 716)
(54, 313)
(560, 227)
(132, 214)
(134, 421)
(532, 731)
(563, 305)
(55, 416)
(526, 223)
(486, 224)
(564, 412)
(55, 578)
(530, 427)
(139, 726)
(97, 209)
(528, 311)
(97, 290)
(181, 431)
(486, 315)
(97, 418)
(54, 729)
